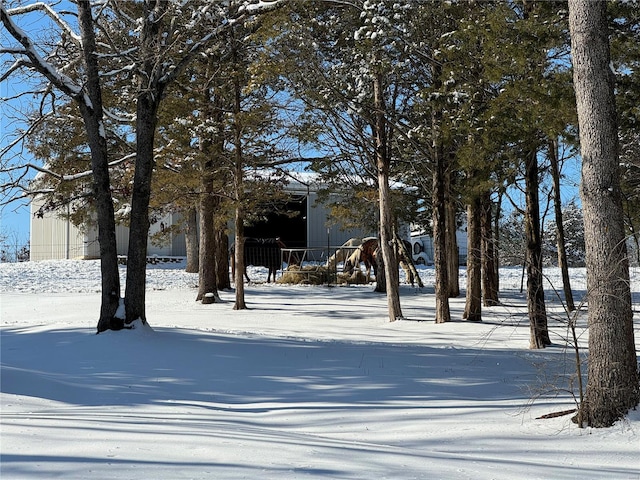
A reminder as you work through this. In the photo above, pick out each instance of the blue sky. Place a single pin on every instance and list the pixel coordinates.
(15, 221)
(15, 217)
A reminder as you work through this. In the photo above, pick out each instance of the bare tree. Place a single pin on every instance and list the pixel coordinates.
(87, 94)
(383, 165)
(613, 386)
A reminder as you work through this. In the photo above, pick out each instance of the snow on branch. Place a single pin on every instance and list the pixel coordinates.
(252, 8)
(67, 178)
(61, 81)
(52, 14)
(17, 65)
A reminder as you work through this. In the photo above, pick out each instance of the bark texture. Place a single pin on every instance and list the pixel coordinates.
(490, 286)
(92, 116)
(191, 240)
(473, 305)
(613, 385)
(443, 313)
(150, 91)
(383, 162)
(207, 291)
(222, 259)
(451, 227)
(535, 292)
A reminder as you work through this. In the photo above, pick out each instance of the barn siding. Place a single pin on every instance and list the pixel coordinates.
(49, 234)
(55, 238)
(176, 247)
(317, 227)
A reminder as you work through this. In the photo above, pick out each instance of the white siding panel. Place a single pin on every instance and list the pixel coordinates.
(317, 235)
(53, 237)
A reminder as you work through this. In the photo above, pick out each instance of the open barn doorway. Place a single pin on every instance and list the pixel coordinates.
(287, 220)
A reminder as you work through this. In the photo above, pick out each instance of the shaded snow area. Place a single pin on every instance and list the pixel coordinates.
(309, 382)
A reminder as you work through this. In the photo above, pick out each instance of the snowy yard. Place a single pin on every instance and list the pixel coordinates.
(310, 382)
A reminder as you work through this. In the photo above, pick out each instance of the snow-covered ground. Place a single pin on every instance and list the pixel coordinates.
(310, 382)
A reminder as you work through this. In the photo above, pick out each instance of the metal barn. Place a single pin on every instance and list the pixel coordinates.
(55, 237)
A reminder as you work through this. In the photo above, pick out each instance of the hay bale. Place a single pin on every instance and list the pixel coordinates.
(307, 275)
(319, 275)
(358, 277)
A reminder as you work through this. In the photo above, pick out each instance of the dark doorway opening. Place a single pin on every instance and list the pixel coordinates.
(288, 221)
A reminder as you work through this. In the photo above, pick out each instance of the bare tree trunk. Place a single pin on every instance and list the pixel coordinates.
(613, 386)
(490, 291)
(135, 291)
(473, 305)
(390, 267)
(88, 97)
(191, 241)
(535, 291)
(93, 117)
(240, 303)
(453, 255)
(150, 91)
(636, 241)
(439, 228)
(557, 202)
(207, 285)
(211, 144)
(496, 240)
(222, 260)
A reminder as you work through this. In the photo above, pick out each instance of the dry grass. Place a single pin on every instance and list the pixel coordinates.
(319, 275)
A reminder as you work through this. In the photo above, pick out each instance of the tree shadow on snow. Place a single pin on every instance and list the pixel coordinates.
(168, 365)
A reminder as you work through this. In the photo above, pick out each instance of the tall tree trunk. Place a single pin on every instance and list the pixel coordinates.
(211, 145)
(443, 313)
(150, 91)
(93, 117)
(191, 241)
(473, 305)
(240, 303)
(383, 162)
(496, 239)
(135, 291)
(535, 290)
(613, 386)
(88, 96)
(439, 206)
(453, 255)
(557, 203)
(207, 284)
(222, 260)
(490, 290)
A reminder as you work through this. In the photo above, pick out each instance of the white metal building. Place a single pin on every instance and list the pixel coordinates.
(54, 237)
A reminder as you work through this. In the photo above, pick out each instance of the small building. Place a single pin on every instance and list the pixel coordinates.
(422, 247)
(54, 237)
